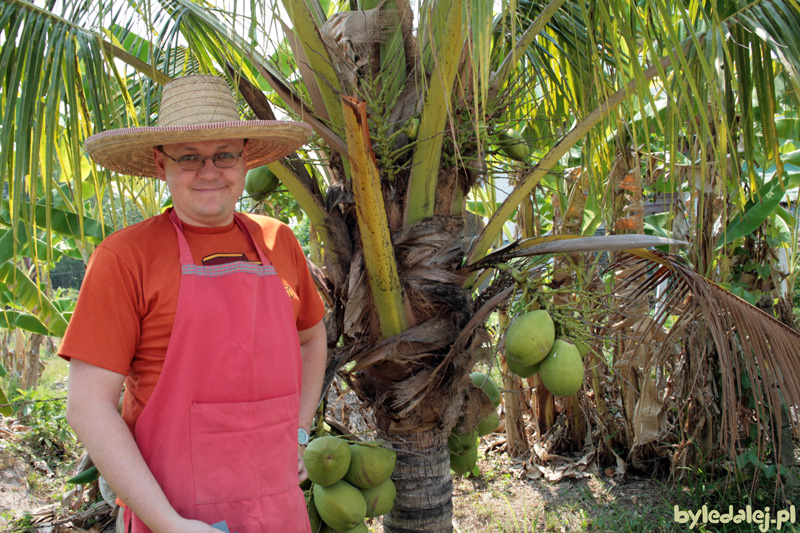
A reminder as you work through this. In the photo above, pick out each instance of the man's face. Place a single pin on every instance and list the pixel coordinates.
(208, 196)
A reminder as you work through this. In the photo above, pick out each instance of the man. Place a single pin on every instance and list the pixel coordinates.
(212, 322)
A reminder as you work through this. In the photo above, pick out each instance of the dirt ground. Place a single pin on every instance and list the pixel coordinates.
(502, 498)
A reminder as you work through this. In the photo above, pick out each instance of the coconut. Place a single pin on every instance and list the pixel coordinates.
(522, 370)
(529, 338)
(360, 528)
(259, 182)
(340, 505)
(463, 463)
(459, 443)
(487, 385)
(411, 129)
(313, 515)
(327, 460)
(582, 347)
(488, 423)
(514, 145)
(562, 370)
(370, 464)
(380, 499)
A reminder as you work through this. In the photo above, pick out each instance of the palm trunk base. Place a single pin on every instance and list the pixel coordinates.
(424, 484)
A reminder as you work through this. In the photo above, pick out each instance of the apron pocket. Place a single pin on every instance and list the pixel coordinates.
(244, 450)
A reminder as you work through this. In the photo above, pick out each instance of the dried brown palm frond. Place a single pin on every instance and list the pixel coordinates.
(754, 353)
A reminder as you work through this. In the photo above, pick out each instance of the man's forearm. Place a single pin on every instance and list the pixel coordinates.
(314, 354)
(110, 445)
(92, 413)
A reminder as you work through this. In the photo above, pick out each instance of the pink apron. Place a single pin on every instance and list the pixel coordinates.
(219, 432)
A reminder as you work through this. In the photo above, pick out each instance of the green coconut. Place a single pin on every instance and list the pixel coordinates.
(313, 515)
(370, 464)
(327, 460)
(340, 505)
(360, 528)
(529, 338)
(582, 347)
(522, 370)
(488, 423)
(259, 182)
(514, 145)
(380, 499)
(411, 129)
(464, 463)
(459, 443)
(562, 370)
(487, 385)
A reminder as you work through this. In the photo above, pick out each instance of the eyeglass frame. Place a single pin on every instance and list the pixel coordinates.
(202, 159)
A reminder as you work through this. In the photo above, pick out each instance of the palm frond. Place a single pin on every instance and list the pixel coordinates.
(754, 352)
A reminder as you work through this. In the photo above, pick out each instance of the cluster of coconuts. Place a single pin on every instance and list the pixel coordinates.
(350, 481)
(532, 346)
(464, 445)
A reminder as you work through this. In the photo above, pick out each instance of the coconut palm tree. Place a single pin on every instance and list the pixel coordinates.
(409, 104)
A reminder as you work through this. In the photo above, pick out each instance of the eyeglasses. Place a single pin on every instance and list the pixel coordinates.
(196, 162)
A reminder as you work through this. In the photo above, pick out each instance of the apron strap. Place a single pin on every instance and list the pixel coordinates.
(186, 254)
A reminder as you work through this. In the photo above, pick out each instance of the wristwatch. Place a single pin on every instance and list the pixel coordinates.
(302, 437)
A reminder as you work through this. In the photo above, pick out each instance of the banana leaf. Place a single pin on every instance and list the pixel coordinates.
(27, 294)
(758, 209)
(17, 319)
(61, 222)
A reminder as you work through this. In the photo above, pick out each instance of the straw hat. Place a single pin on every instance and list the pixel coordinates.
(195, 108)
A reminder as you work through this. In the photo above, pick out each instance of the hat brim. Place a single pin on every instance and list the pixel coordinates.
(130, 150)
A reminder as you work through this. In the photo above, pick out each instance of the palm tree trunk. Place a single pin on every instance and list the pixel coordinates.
(423, 481)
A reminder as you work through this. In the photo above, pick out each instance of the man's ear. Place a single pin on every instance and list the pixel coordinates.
(244, 152)
(158, 158)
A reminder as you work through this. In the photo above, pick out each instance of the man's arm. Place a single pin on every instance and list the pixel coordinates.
(92, 399)
(314, 353)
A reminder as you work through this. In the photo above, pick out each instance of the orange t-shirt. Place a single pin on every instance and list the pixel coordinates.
(126, 306)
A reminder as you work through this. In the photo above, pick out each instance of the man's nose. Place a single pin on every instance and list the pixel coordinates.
(208, 166)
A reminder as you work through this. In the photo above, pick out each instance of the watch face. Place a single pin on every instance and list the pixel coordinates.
(302, 436)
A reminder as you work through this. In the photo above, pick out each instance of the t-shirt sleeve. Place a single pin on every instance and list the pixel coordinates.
(104, 329)
(312, 309)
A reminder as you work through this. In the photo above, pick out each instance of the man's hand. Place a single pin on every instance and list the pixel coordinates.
(302, 473)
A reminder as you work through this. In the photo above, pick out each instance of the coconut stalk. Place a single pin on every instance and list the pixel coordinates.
(306, 23)
(373, 225)
(445, 21)
(517, 444)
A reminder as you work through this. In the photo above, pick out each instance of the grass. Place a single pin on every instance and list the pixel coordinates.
(501, 499)
(47, 446)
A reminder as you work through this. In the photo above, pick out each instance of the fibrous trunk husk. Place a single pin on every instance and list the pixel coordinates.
(423, 481)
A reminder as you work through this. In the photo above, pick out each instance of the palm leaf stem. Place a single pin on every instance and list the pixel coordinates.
(447, 23)
(373, 224)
